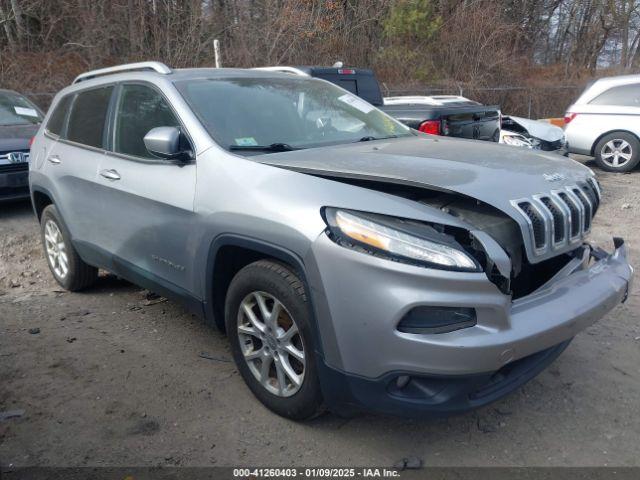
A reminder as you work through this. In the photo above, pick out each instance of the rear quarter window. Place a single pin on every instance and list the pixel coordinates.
(621, 96)
(55, 125)
(88, 116)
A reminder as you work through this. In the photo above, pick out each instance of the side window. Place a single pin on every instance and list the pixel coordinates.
(59, 115)
(622, 96)
(140, 109)
(89, 116)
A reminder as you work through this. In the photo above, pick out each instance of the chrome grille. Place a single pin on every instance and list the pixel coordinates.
(7, 155)
(561, 217)
(8, 163)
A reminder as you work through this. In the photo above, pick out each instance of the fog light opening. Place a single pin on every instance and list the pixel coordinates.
(434, 320)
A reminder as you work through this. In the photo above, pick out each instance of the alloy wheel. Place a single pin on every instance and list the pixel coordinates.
(616, 152)
(56, 249)
(271, 344)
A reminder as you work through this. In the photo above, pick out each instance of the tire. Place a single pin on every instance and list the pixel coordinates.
(617, 152)
(56, 242)
(261, 353)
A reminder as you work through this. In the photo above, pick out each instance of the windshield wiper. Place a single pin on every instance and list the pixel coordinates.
(369, 138)
(274, 147)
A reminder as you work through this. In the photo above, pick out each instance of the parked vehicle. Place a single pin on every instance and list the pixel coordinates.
(353, 262)
(446, 115)
(19, 122)
(536, 134)
(605, 122)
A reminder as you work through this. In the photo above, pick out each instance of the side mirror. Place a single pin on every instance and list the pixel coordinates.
(166, 142)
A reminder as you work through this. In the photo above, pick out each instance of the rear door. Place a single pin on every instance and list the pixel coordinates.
(72, 163)
(147, 202)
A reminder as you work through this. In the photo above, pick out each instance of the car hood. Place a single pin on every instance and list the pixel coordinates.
(493, 173)
(538, 129)
(16, 137)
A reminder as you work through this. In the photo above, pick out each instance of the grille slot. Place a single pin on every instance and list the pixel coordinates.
(537, 223)
(574, 221)
(596, 187)
(558, 219)
(592, 195)
(587, 208)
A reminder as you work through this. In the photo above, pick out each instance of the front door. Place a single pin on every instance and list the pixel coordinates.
(147, 202)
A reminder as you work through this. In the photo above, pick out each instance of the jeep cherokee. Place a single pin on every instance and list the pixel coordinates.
(353, 262)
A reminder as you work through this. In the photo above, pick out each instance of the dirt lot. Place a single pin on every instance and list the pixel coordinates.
(113, 378)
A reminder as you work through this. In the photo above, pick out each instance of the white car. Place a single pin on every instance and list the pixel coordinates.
(535, 134)
(605, 122)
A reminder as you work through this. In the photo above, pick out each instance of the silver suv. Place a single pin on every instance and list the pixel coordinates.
(605, 122)
(353, 263)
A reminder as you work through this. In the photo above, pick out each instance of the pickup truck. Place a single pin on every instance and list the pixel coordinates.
(448, 115)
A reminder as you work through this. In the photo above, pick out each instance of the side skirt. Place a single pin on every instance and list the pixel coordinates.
(99, 258)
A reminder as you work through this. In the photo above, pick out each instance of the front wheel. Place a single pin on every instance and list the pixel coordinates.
(617, 152)
(268, 324)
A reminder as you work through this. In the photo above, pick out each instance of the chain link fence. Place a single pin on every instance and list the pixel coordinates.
(530, 102)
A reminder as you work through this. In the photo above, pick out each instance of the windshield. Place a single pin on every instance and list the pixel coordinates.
(250, 113)
(17, 110)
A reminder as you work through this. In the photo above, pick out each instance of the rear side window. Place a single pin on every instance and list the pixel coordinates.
(140, 109)
(55, 124)
(89, 116)
(622, 96)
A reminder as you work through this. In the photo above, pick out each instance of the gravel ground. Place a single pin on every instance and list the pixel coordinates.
(114, 376)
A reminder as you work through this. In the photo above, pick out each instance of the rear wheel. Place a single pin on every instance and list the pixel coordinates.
(618, 152)
(66, 266)
(267, 320)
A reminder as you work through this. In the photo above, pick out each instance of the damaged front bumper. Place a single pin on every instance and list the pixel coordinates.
(512, 340)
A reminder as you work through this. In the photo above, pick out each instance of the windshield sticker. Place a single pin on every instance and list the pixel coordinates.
(356, 103)
(26, 112)
(246, 141)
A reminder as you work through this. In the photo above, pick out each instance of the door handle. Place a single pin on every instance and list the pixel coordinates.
(55, 159)
(110, 174)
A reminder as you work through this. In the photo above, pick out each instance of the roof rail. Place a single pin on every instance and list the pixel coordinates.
(157, 67)
(284, 69)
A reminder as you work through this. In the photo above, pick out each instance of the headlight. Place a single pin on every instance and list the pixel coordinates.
(399, 239)
(516, 140)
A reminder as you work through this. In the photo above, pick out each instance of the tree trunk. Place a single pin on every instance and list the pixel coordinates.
(7, 30)
(20, 27)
